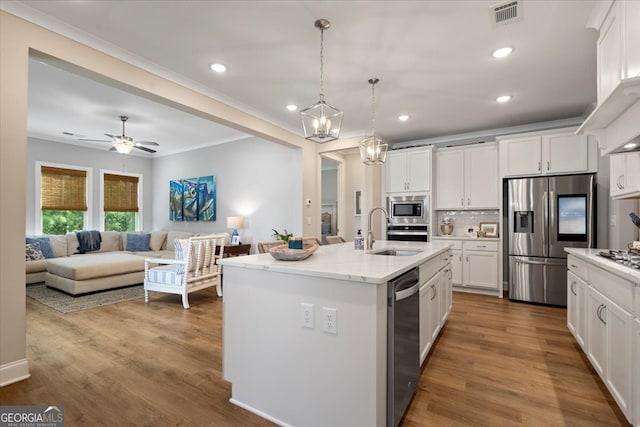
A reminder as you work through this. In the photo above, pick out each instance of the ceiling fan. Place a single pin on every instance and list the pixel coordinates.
(123, 143)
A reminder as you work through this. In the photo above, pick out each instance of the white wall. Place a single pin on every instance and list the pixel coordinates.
(256, 179)
(73, 155)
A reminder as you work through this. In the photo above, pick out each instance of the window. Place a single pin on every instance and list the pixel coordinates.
(63, 199)
(120, 202)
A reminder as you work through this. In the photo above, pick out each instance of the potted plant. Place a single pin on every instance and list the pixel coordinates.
(282, 236)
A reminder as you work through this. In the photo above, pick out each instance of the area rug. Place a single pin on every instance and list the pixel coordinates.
(66, 303)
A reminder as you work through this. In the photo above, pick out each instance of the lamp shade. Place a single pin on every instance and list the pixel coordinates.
(123, 148)
(235, 222)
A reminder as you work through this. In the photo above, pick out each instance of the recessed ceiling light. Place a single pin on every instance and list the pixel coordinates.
(630, 145)
(504, 98)
(218, 68)
(502, 52)
(403, 117)
(291, 107)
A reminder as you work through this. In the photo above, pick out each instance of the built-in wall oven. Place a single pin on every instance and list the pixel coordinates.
(408, 218)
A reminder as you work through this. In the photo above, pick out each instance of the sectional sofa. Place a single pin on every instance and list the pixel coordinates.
(117, 263)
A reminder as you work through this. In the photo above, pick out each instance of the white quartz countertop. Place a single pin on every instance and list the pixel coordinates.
(343, 262)
(591, 256)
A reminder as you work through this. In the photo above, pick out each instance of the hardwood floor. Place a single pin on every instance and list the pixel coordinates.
(496, 363)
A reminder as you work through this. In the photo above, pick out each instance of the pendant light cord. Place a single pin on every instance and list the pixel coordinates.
(321, 64)
(373, 109)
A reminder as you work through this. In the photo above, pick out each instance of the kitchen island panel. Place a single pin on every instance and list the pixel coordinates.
(294, 375)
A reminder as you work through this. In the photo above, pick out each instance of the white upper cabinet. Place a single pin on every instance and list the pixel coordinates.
(615, 122)
(624, 174)
(467, 177)
(547, 153)
(408, 170)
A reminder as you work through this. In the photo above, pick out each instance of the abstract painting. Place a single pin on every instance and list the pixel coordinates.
(193, 199)
(175, 200)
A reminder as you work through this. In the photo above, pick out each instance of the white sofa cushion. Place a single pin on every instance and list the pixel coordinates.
(110, 241)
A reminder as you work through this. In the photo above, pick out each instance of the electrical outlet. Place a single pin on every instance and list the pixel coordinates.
(613, 221)
(306, 315)
(330, 320)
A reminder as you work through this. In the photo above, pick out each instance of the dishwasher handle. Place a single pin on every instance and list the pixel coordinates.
(406, 293)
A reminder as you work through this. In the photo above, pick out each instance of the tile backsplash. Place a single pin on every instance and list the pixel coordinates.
(462, 220)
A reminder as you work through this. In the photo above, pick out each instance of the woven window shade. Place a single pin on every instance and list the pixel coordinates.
(63, 189)
(120, 193)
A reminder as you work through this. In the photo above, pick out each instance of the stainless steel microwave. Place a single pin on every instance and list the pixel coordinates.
(408, 209)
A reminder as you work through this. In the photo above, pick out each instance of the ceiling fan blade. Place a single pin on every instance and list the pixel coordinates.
(148, 150)
(109, 135)
(112, 149)
(92, 140)
(147, 143)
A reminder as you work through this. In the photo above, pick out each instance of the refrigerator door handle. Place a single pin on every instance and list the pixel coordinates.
(545, 235)
(534, 262)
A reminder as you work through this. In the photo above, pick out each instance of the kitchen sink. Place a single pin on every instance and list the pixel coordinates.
(396, 252)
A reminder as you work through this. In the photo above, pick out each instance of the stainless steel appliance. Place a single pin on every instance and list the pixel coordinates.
(408, 218)
(409, 232)
(408, 209)
(403, 343)
(545, 215)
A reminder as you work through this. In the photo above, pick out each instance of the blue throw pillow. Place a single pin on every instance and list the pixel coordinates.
(45, 245)
(138, 242)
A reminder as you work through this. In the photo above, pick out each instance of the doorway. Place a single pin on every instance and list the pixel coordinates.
(330, 177)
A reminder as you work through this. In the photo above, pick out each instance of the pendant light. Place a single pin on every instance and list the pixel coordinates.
(321, 122)
(373, 150)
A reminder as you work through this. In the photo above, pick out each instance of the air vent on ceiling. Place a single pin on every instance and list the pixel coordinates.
(506, 13)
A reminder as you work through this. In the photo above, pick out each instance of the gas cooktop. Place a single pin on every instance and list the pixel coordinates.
(628, 258)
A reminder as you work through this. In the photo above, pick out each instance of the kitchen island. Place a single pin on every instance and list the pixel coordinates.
(305, 342)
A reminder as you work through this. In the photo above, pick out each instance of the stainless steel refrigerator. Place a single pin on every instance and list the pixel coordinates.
(545, 215)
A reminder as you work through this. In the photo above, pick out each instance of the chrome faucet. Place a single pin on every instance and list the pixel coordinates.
(370, 240)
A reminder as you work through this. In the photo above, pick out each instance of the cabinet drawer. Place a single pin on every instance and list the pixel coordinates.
(577, 267)
(431, 267)
(618, 290)
(481, 245)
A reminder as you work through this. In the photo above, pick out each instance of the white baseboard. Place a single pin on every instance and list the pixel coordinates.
(14, 371)
(259, 413)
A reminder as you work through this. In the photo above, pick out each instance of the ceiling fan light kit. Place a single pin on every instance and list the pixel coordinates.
(373, 150)
(321, 122)
(123, 143)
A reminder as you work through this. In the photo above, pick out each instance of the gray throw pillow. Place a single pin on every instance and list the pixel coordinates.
(45, 245)
(138, 242)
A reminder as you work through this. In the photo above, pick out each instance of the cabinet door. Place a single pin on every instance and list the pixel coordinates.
(396, 172)
(480, 269)
(434, 306)
(521, 156)
(632, 45)
(632, 172)
(481, 178)
(576, 307)
(456, 267)
(565, 153)
(619, 369)
(445, 294)
(616, 174)
(418, 170)
(450, 179)
(609, 53)
(596, 331)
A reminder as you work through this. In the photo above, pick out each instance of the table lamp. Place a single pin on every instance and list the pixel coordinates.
(235, 222)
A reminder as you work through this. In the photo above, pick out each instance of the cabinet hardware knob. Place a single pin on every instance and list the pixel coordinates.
(462, 202)
(539, 166)
(573, 288)
(547, 164)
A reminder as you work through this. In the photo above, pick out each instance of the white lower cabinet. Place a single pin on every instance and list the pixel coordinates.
(435, 301)
(576, 310)
(600, 316)
(474, 264)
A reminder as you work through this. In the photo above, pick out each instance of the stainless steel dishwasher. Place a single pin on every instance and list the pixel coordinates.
(403, 343)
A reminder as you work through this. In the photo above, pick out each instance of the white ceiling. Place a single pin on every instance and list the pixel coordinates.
(433, 59)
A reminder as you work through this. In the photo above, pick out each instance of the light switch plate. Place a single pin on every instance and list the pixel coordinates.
(306, 315)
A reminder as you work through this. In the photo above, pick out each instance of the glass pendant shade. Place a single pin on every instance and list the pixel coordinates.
(321, 122)
(373, 151)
